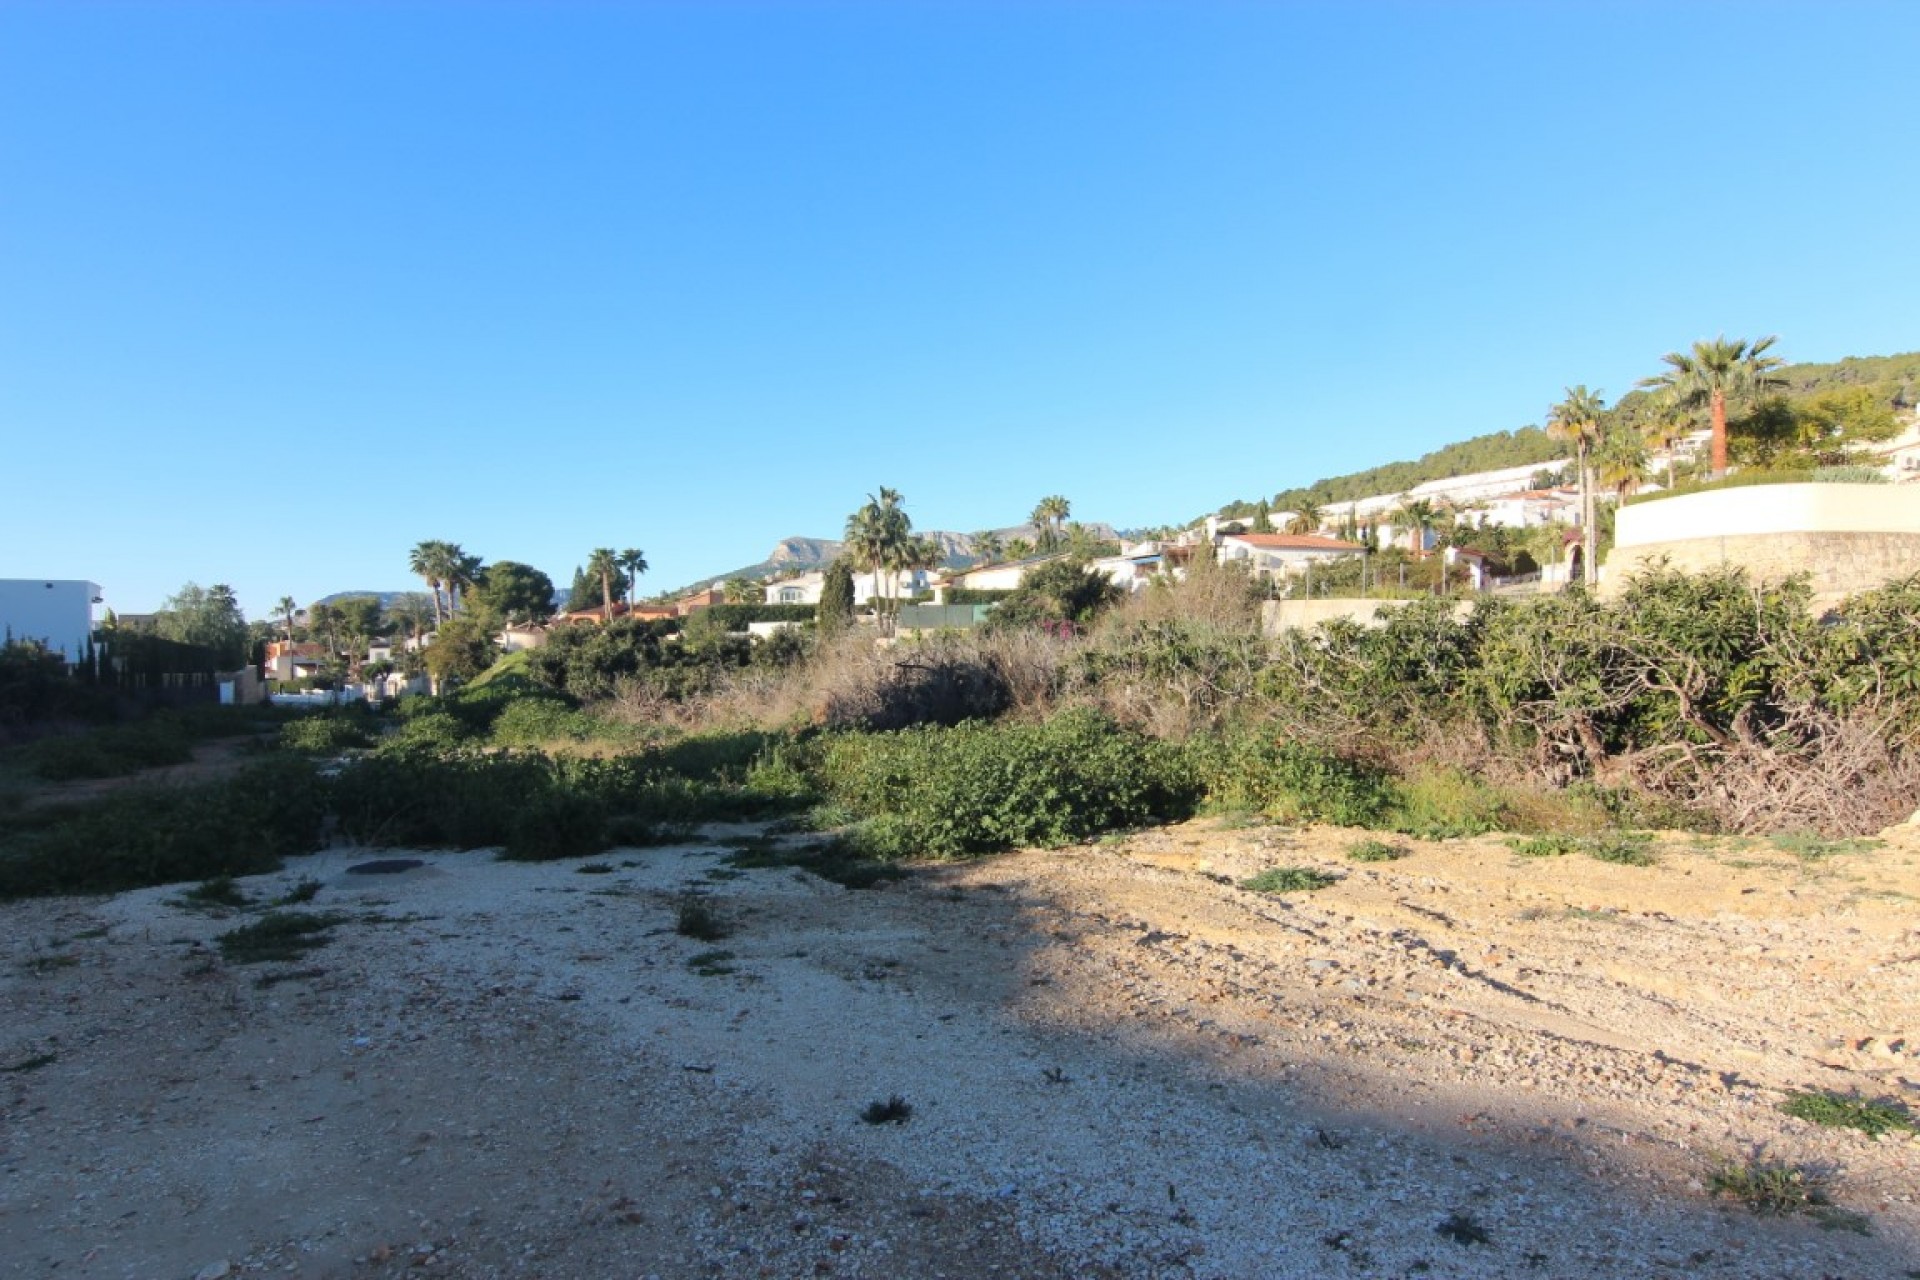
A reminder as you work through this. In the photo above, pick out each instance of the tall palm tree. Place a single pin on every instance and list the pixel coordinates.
(286, 608)
(877, 540)
(432, 561)
(1049, 518)
(1714, 373)
(634, 561)
(1577, 420)
(604, 564)
(463, 574)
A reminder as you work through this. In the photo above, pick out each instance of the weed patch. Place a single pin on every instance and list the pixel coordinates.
(278, 935)
(1289, 880)
(711, 964)
(1809, 847)
(697, 920)
(1842, 1111)
(895, 1110)
(1375, 851)
(34, 1063)
(838, 860)
(1627, 849)
(1462, 1229)
(305, 891)
(220, 891)
(1767, 1188)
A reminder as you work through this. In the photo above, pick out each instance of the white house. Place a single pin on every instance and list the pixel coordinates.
(805, 588)
(1283, 554)
(57, 613)
(992, 577)
(1529, 509)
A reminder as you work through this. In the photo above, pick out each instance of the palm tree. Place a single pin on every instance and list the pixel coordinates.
(634, 561)
(1422, 515)
(742, 591)
(286, 608)
(1049, 518)
(877, 539)
(463, 574)
(987, 546)
(412, 612)
(1620, 459)
(1306, 520)
(604, 564)
(1671, 421)
(1577, 420)
(1714, 373)
(1019, 549)
(326, 619)
(432, 561)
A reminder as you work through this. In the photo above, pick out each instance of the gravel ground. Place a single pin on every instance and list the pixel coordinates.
(1118, 1063)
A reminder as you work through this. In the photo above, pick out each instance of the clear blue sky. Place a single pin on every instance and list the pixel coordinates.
(286, 288)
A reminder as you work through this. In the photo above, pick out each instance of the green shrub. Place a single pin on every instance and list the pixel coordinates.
(1288, 781)
(431, 729)
(164, 835)
(975, 788)
(326, 733)
(1439, 804)
(112, 752)
(557, 824)
(468, 799)
(535, 721)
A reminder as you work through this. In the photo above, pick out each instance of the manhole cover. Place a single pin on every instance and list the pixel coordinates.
(385, 867)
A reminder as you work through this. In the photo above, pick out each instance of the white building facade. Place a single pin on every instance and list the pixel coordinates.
(58, 613)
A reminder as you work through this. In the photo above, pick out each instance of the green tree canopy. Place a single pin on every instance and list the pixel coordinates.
(206, 616)
(516, 592)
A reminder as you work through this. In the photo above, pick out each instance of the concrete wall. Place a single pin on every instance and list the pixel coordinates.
(1846, 537)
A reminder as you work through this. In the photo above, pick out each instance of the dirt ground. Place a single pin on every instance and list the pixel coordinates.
(1115, 1063)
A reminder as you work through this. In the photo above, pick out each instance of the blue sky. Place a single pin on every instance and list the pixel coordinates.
(287, 288)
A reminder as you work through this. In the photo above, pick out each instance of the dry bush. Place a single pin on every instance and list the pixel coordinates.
(1181, 657)
(1837, 776)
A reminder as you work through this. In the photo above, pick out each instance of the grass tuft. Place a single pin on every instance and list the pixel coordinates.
(699, 921)
(895, 1110)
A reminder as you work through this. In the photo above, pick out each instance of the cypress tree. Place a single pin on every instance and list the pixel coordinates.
(835, 611)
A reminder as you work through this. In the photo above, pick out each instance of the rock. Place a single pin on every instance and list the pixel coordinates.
(214, 1271)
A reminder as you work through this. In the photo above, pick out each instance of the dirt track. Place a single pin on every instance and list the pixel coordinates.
(1119, 1064)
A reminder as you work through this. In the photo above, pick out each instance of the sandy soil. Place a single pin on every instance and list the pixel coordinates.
(1119, 1064)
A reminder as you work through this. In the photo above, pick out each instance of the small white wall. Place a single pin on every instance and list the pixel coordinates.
(1771, 508)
